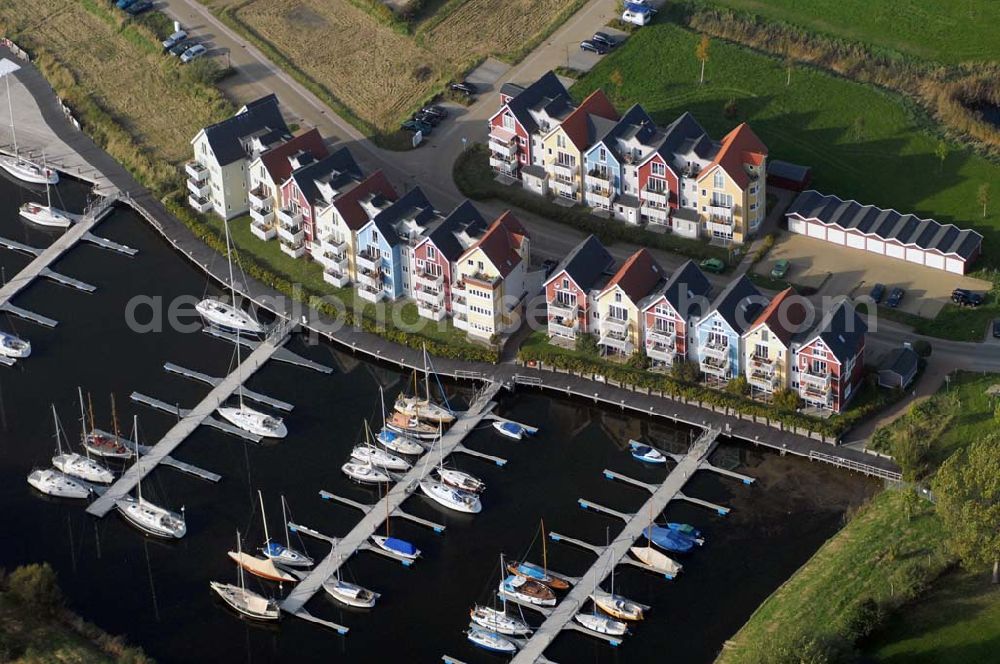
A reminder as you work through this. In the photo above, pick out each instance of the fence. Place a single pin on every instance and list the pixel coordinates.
(850, 464)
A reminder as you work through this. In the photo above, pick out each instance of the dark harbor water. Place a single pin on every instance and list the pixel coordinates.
(157, 594)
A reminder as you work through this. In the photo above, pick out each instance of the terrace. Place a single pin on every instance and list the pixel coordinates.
(426, 279)
(617, 341)
(763, 374)
(195, 171)
(563, 327)
(659, 352)
(260, 198)
(563, 310)
(430, 296)
(335, 277)
(431, 311)
(368, 260)
(201, 189)
(717, 367)
(289, 217)
(199, 203)
(620, 326)
(654, 197)
(370, 294)
(262, 229)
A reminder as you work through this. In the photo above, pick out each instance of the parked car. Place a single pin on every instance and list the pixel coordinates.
(181, 46)
(427, 118)
(174, 40)
(195, 51)
(966, 298)
(996, 328)
(780, 269)
(593, 47)
(715, 265)
(122, 4)
(877, 293)
(439, 111)
(637, 14)
(139, 7)
(417, 125)
(467, 89)
(604, 39)
(895, 297)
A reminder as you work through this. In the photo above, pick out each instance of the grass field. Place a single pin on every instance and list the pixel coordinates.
(862, 143)
(948, 32)
(121, 69)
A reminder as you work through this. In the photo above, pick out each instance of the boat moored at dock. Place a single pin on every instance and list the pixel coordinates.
(56, 484)
(262, 567)
(498, 621)
(536, 573)
(375, 456)
(350, 594)
(365, 473)
(509, 429)
(601, 624)
(669, 540)
(647, 454)
(527, 590)
(617, 606)
(396, 546)
(453, 499)
(253, 421)
(14, 346)
(487, 640)
(461, 481)
(246, 602)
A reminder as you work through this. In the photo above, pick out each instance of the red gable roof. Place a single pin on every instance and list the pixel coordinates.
(576, 123)
(501, 242)
(349, 206)
(740, 146)
(276, 161)
(783, 316)
(638, 276)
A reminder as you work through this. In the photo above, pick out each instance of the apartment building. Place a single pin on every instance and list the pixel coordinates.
(267, 173)
(572, 289)
(720, 331)
(732, 189)
(667, 315)
(564, 146)
(767, 344)
(619, 320)
(828, 366)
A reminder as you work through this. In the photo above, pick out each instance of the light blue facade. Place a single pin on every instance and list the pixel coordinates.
(599, 155)
(390, 261)
(714, 323)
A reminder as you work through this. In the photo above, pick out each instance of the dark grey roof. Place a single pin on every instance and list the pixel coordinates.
(339, 169)
(586, 263)
(907, 229)
(411, 204)
(260, 118)
(788, 170)
(636, 123)
(545, 93)
(739, 304)
(535, 170)
(511, 89)
(902, 361)
(840, 328)
(628, 200)
(687, 290)
(465, 218)
(685, 135)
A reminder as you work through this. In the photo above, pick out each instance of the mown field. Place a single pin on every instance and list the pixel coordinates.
(379, 73)
(949, 32)
(120, 69)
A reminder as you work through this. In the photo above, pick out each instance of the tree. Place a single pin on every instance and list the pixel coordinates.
(967, 488)
(685, 371)
(638, 360)
(702, 53)
(859, 127)
(941, 152)
(36, 588)
(586, 344)
(983, 196)
(786, 399)
(738, 385)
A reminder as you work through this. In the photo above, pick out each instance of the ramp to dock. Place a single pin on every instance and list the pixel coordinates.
(562, 615)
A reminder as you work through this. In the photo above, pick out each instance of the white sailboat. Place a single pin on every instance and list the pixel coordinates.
(491, 641)
(19, 167)
(457, 479)
(376, 456)
(365, 473)
(284, 554)
(422, 407)
(75, 464)
(14, 346)
(246, 602)
(614, 605)
(601, 624)
(396, 441)
(250, 419)
(228, 315)
(350, 594)
(499, 621)
(144, 515)
(53, 483)
(46, 215)
(453, 499)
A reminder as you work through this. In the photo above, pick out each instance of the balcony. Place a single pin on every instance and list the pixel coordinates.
(563, 327)
(618, 342)
(562, 171)
(263, 230)
(428, 280)
(430, 311)
(656, 215)
(815, 384)
(289, 217)
(370, 278)
(329, 244)
(564, 188)
(370, 294)
(202, 189)
(503, 164)
(460, 320)
(368, 261)
(615, 325)
(199, 203)
(195, 171)
(290, 233)
(264, 216)
(430, 296)
(599, 197)
(598, 179)
(660, 352)
(484, 280)
(654, 197)
(260, 198)
(506, 151)
(715, 366)
(459, 305)
(332, 261)
(763, 374)
(720, 214)
(663, 337)
(716, 350)
(503, 138)
(335, 278)
(293, 249)
(563, 310)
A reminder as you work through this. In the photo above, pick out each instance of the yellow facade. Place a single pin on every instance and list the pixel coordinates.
(778, 359)
(614, 300)
(328, 219)
(563, 163)
(747, 204)
(484, 291)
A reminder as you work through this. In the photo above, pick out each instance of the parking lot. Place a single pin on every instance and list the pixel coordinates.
(835, 270)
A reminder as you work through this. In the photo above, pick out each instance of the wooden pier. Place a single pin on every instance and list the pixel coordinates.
(282, 355)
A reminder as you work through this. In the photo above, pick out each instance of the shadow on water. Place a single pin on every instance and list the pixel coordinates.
(157, 593)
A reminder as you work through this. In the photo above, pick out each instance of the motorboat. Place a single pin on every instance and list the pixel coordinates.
(453, 499)
(350, 594)
(526, 590)
(656, 560)
(85, 468)
(509, 429)
(617, 606)
(46, 215)
(411, 426)
(689, 531)
(253, 421)
(365, 473)
(423, 409)
(498, 621)
(487, 640)
(226, 316)
(376, 456)
(536, 573)
(28, 171)
(283, 554)
(399, 443)
(461, 481)
(396, 546)
(668, 540)
(647, 454)
(246, 602)
(56, 484)
(262, 567)
(601, 624)
(14, 346)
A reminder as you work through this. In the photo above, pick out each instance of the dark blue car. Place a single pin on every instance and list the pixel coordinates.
(895, 297)
(877, 293)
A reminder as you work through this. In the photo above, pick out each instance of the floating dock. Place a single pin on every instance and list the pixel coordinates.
(212, 380)
(282, 355)
(169, 461)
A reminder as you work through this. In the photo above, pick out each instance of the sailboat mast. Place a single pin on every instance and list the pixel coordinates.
(381, 399)
(239, 556)
(545, 552)
(284, 524)
(263, 517)
(427, 376)
(10, 107)
(114, 419)
(138, 463)
(55, 419)
(90, 406)
(48, 187)
(229, 257)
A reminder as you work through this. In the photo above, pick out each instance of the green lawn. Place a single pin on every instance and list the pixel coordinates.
(862, 142)
(948, 31)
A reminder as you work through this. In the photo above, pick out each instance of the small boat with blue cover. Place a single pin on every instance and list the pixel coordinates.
(646, 454)
(668, 540)
(396, 546)
(688, 531)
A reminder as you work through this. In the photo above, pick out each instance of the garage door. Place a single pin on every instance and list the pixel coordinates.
(855, 241)
(933, 260)
(894, 251)
(797, 226)
(835, 236)
(953, 265)
(876, 246)
(817, 231)
(915, 256)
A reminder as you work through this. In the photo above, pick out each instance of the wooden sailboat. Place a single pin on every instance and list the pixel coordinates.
(246, 602)
(536, 573)
(614, 605)
(262, 567)
(423, 408)
(396, 441)
(499, 621)
(99, 443)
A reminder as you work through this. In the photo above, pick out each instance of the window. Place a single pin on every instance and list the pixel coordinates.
(764, 336)
(508, 121)
(566, 298)
(658, 169)
(818, 367)
(564, 159)
(722, 200)
(664, 326)
(753, 206)
(718, 339)
(431, 252)
(618, 313)
(565, 283)
(719, 180)
(760, 351)
(656, 185)
(560, 141)
(603, 154)
(618, 297)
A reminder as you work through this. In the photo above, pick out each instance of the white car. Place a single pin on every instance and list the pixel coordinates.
(174, 39)
(195, 51)
(637, 13)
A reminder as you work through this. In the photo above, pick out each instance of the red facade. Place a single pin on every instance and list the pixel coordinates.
(523, 139)
(680, 325)
(563, 282)
(430, 259)
(816, 350)
(646, 172)
(290, 194)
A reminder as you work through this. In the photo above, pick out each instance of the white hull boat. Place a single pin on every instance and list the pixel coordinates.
(80, 466)
(412, 427)
(461, 481)
(152, 519)
(378, 457)
(424, 410)
(617, 606)
(12, 346)
(399, 443)
(350, 594)
(262, 567)
(498, 621)
(46, 215)
(105, 445)
(509, 429)
(285, 556)
(254, 421)
(656, 560)
(601, 624)
(453, 499)
(526, 590)
(491, 641)
(246, 602)
(396, 546)
(364, 473)
(28, 171)
(53, 483)
(227, 317)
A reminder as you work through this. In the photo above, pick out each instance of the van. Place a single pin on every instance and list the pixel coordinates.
(637, 14)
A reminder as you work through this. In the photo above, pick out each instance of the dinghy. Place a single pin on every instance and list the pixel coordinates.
(14, 346)
(509, 429)
(487, 640)
(689, 531)
(647, 454)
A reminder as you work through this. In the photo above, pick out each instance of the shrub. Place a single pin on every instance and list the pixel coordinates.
(738, 385)
(685, 371)
(586, 343)
(786, 400)
(35, 586)
(922, 347)
(638, 360)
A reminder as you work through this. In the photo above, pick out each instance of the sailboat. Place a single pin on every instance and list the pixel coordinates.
(498, 621)
(491, 641)
(46, 215)
(395, 545)
(284, 554)
(250, 419)
(457, 479)
(55, 484)
(376, 456)
(365, 473)
(601, 624)
(14, 346)
(246, 602)
(615, 605)
(669, 540)
(99, 443)
(536, 573)
(21, 168)
(411, 426)
(393, 440)
(453, 499)
(75, 464)
(144, 515)
(228, 315)
(262, 567)
(423, 408)
(527, 590)
(350, 594)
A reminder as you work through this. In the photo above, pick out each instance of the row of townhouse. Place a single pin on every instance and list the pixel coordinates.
(673, 318)
(319, 204)
(675, 177)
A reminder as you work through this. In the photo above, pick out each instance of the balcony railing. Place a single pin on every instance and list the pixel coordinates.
(485, 279)
(599, 178)
(202, 188)
(656, 215)
(259, 198)
(562, 171)
(714, 365)
(616, 325)
(196, 171)
(430, 296)
(459, 304)
(503, 165)
(293, 249)
(291, 233)
(332, 261)
(263, 230)
(663, 337)
(262, 215)
(597, 197)
(655, 197)
(816, 379)
(563, 327)
(370, 278)
(199, 203)
(763, 377)
(335, 278)
(334, 246)
(720, 214)
(618, 342)
(507, 151)
(715, 350)
(430, 311)
(370, 294)
(563, 310)
(368, 261)
(289, 216)
(425, 278)
(660, 352)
